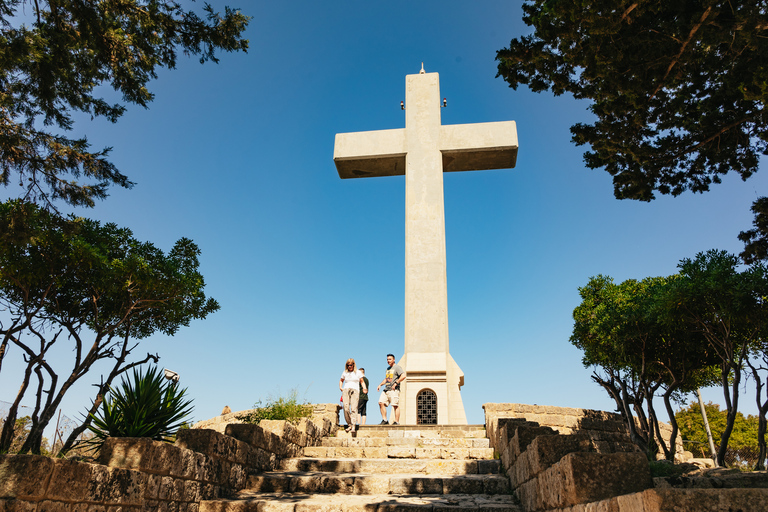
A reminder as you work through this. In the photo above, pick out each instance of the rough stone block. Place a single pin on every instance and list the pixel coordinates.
(338, 484)
(14, 505)
(209, 442)
(379, 452)
(401, 452)
(373, 484)
(255, 436)
(451, 467)
(524, 435)
(481, 453)
(348, 452)
(428, 453)
(237, 477)
(167, 459)
(69, 481)
(192, 464)
(127, 453)
(462, 485)
(306, 484)
(586, 477)
(24, 476)
(318, 451)
(495, 484)
(415, 485)
(54, 506)
(116, 486)
(454, 453)
(488, 467)
(167, 489)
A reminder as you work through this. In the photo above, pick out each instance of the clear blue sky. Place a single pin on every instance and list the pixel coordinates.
(309, 269)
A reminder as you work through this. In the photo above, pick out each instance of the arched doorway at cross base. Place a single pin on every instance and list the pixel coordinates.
(426, 407)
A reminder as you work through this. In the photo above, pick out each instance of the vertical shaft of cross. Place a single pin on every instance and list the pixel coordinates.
(422, 152)
(426, 295)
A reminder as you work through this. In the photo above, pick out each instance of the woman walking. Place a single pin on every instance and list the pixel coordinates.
(350, 385)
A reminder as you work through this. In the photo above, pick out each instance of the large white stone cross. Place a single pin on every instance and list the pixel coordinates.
(422, 152)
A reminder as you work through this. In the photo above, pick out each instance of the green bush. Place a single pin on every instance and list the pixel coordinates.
(282, 408)
(147, 406)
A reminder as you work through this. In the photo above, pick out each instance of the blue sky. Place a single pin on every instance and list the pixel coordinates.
(309, 269)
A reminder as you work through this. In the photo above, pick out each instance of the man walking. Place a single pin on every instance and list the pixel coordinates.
(390, 395)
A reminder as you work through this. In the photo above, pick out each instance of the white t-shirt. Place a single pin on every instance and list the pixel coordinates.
(352, 379)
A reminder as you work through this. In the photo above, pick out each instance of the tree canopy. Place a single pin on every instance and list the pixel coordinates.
(678, 89)
(93, 287)
(626, 332)
(58, 58)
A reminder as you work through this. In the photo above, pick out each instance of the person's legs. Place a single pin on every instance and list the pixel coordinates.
(345, 398)
(354, 395)
(394, 399)
(383, 402)
(362, 411)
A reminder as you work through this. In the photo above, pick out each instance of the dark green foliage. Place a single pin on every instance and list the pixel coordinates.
(94, 287)
(756, 240)
(626, 332)
(147, 406)
(52, 63)
(728, 307)
(694, 435)
(280, 408)
(678, 89)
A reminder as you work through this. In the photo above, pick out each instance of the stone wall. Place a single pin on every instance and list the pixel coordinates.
(138, 474)
(578, 460)
(567, 420)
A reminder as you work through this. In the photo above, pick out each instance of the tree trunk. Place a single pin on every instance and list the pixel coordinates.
(712, 449)
(670, 453)
(6, 437)
(731, 391)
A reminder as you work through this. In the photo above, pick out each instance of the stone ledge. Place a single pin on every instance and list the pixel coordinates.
(584, 478)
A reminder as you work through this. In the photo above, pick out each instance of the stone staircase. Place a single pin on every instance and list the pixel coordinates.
(383, 468)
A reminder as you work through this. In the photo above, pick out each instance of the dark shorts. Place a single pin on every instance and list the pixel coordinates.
(362, 407)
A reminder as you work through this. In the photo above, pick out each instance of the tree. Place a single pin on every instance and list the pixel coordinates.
(59, 63)
(93, 286)
(678, 89)
(625, 331)
(728, 309)
(695, 436)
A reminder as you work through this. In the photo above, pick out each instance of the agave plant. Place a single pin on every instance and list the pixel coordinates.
(147, 406)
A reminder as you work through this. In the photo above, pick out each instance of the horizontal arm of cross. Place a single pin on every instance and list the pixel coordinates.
(375, 153)
(465, 147)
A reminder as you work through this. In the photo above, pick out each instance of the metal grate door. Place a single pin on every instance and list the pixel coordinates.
(426, 407)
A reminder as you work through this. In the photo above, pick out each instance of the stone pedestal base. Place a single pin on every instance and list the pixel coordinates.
(436, 372)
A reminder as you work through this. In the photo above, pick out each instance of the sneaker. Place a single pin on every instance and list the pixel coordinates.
(383, 422)
(395, 423)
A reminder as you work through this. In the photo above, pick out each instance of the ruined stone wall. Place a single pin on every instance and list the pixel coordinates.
(135, 474)
(566, 420)
(578, 460)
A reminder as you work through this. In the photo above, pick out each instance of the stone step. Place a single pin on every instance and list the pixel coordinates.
(417, 431)
(398, 452)
(416, 442)
(393, 466)
(249, 501)
(360, 483)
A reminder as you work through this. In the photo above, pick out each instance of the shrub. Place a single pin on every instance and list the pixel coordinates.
(147, 406)
(282, 408)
